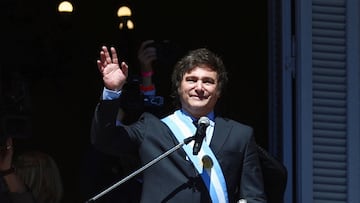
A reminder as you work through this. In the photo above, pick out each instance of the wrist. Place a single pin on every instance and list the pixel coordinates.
(7, 171)
(146, 73)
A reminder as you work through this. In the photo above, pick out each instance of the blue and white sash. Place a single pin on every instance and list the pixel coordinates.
(211, 173)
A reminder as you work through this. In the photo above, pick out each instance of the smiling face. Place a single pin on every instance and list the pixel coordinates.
(198, 91)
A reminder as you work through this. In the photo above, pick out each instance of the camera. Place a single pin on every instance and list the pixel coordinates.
(152, 100)
(162, 48)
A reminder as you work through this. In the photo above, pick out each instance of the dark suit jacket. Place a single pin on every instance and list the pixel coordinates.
(174, 178)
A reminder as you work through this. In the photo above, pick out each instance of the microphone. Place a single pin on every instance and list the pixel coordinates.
(200, 133)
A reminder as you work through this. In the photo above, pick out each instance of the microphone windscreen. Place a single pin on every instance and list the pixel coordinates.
(204, 121)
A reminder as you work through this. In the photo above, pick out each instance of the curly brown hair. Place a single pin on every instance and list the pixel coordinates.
(198, 57)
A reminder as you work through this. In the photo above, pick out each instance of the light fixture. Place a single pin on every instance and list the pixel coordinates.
(65, 7)
(124, 13)
(126, 24)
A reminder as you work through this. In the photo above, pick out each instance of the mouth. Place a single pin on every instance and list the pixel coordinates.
(199, 97)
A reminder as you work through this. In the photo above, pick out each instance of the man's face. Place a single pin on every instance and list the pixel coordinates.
(199, 91)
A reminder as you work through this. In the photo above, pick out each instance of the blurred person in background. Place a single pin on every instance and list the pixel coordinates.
(30, 176)
(13, 188)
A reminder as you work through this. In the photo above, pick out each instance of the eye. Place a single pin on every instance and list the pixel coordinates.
(191, 79)
(208, 81)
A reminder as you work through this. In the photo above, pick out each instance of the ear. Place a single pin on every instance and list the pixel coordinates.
(179, 90)
(218, 94)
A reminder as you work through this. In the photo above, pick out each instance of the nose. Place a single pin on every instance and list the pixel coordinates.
(199, 85)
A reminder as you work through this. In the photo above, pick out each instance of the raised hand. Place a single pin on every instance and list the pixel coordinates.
(114, 74)
(146, 55)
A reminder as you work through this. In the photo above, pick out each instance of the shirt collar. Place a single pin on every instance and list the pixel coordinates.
(210, 115)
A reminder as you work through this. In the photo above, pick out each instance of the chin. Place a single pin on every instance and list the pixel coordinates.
(198, 104)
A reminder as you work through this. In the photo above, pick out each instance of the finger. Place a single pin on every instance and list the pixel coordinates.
(150, 52)
(125, 68)
(114, 55)
(100, 66)
(102, 56)
(145, 44)
(107, 57)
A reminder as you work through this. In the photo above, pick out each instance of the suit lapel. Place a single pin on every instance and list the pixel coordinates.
(221, 134)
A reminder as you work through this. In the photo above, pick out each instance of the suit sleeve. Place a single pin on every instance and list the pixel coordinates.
(252, 185)
(110, 138)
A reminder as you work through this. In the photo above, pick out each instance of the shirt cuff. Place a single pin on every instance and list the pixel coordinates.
(149, 93)
(110, 94)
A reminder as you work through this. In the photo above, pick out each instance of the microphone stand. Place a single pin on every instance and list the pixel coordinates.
(186, 141)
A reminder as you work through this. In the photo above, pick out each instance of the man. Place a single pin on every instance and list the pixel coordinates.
(226, 169)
